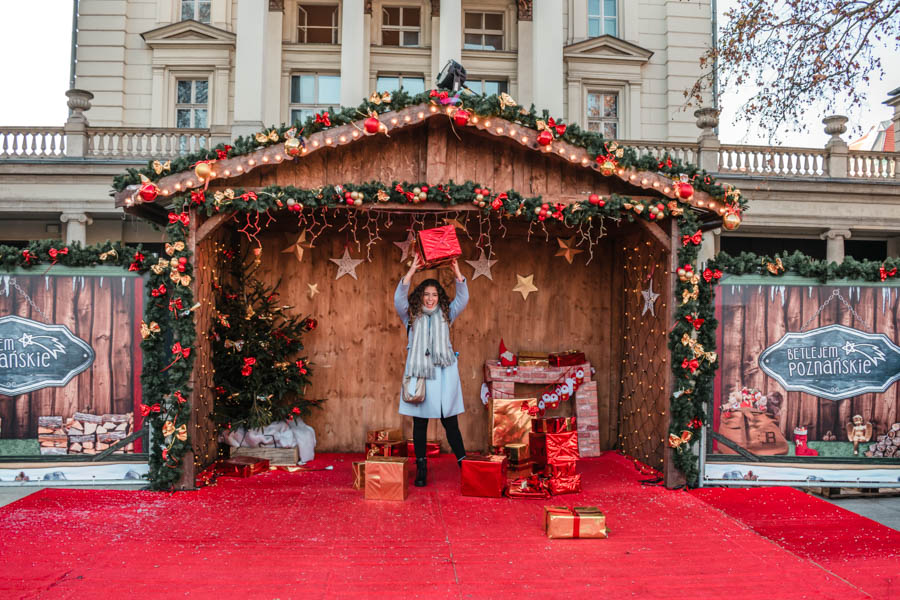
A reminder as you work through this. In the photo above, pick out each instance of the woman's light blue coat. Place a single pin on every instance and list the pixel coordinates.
(443, 393)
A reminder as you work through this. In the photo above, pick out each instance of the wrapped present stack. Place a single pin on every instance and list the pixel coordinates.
(520, 463)
(385, 442)
(553, 443)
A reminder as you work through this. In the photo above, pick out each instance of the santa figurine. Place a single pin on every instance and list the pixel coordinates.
(507, 358)
(858, 431)
(801, 449)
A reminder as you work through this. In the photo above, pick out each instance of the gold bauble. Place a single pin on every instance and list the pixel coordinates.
(202, 170)
(731, 221)
(292, 147)
(607, 168)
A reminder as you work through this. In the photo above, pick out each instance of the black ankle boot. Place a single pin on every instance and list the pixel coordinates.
(459, 461)
(421, 472)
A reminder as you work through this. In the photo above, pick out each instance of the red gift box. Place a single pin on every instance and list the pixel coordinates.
(553, 447)
(242, 466)
(562, 468)
(392, 448)
(528, 487)
(432, 449)
(553, 424)
(437, 246)
(569, 358)
(484, 476)
(565, 484)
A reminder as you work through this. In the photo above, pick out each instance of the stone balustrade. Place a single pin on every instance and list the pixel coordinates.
(125, 143)
(32, 142)
(773, 161)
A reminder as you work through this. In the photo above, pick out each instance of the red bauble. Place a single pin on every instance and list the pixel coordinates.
(461, 117)
(544, 138)
(684, 190)
(594, 199)
(372, 125)
(148, 191)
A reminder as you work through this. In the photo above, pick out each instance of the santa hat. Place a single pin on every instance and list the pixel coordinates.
(507, 358)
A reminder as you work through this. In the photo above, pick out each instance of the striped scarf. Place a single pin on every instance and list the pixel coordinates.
(430, 344)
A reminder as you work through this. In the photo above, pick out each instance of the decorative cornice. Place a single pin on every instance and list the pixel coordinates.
(276, 5)
(524, 9)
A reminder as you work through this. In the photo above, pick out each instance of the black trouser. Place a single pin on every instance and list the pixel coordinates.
(451, 427)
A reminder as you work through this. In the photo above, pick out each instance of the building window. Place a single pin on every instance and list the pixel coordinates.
(488, 87)
(197, 10)
(484, 31)
(602, 18)
(313, 93)
(603, 113)
(318, 24)
(192, 104)
(400, 25)
(412, 84)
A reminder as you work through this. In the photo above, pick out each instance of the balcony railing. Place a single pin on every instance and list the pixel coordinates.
(141, 144)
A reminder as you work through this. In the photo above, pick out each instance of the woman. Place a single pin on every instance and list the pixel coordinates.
(427, 314)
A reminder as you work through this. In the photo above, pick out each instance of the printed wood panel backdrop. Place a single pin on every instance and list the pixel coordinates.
(753, 317)
(104, 311)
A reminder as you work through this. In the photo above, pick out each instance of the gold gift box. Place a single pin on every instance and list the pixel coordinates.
(534, 359)
(510, 422)
(359, 475)
(386, 478)
(517, 453)
(384, 435)
(574, 522)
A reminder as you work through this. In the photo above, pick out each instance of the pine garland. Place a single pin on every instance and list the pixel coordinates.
(748, 263)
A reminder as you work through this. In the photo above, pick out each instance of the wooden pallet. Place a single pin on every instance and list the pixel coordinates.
(850, 492)
(275, 456)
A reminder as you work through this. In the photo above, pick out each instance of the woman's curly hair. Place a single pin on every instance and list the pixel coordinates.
(415, 299)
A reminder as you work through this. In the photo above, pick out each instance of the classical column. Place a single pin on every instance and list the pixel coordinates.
(76, 227)
(249, 66)
(524, 68)
(834, 244)
(450, 28)
(272, 97)
(709, 248)
(837, 148)
(435, 42)
(354, 66)
(547, 56)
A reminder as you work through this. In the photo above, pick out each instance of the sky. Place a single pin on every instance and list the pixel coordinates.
(39, 77)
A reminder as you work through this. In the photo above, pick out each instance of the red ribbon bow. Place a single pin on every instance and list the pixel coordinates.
(53, 252)
(247, 196)
(696, 322)
(884, 273)
(324, 119)
(222, 154)
(666, 163)
(179, 352)
(692, 364)
(175, 304)
(183, 218)
(709, 275)
(692, 239)
(560, 128)
(160, 291)
(198, 197)
(439, 95)
(28, 256)
(146, 410)
(180, 397)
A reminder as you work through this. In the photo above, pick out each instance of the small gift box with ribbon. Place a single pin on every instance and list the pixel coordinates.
(432, 448)
(528, 487)
(437, 246)
(393, 448)
(359, 475)
(386, 478)
(565, 484)
(511, 420)
(242, 466)
(574, 522)
(484, 476)
(517, 453)
(553, 424)
(568, 358)
(551, 448)
(384, 435)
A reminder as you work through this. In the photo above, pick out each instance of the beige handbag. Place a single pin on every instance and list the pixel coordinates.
(413, 389)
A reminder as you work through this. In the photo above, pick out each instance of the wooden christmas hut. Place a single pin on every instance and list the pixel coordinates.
(569, 241)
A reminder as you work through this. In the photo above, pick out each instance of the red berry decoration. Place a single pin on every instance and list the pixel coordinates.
(372, 125)
(594, 199)
(461, 117)
(544, 138)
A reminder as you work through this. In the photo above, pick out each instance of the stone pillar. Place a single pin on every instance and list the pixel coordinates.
(709, 248)
(450, 29)
(707, 121)
(547, 57)
(76, 125)
(76, 227)
(272, 76)
(354, 39)
(894, 101)
(834, 244)
(525, 65)
(435, 43)
(249, 66)
(836, 148)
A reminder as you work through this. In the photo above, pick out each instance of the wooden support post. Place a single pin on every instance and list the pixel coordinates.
(673, 477)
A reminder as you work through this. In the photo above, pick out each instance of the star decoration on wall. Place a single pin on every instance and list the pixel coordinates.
(313, 289)
(346, 265)
(482, 266)
(525, 285)
(298, 246)
(455, 223)
(649, 300)
(408, 247)
(567, 249)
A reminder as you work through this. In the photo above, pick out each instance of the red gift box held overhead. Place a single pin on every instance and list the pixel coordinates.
(437, 246)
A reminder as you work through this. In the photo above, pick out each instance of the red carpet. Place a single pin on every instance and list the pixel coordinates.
(857, 549)
(310, 535)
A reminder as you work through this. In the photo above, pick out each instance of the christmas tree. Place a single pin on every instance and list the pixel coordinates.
(260, 376)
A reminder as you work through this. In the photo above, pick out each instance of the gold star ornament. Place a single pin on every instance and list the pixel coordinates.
(567, 249)
(525, 285)
(298, 246)
(313, 289)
